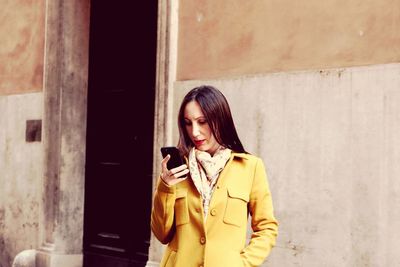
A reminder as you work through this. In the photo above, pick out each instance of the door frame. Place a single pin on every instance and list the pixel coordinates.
(64, 124)
(167, 51)
(167, 46)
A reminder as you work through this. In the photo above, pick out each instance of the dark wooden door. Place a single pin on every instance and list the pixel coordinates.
(122, 62)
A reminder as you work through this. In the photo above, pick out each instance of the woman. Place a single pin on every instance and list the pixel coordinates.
(201, 209)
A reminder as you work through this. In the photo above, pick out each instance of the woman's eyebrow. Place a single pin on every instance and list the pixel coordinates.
(198, 118)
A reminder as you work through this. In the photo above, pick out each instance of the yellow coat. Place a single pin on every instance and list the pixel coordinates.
(242, 189)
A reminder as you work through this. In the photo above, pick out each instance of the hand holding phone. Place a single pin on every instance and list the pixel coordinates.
(174, 169)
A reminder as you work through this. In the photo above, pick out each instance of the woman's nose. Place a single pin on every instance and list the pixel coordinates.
(195, 130)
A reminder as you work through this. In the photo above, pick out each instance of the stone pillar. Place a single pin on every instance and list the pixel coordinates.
(64, 133)
(166, 76)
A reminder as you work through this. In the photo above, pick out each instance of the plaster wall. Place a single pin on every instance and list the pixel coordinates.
(233, 38)
(22, 28)
(21, 171)
(329, 140)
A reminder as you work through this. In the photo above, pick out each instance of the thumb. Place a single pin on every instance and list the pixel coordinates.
(164, 161)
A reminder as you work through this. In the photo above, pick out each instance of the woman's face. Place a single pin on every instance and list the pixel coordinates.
(198, 128)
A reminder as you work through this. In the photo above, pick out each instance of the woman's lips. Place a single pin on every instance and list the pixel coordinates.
(199, 143)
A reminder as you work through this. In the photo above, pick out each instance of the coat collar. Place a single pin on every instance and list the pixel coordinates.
(235, 155)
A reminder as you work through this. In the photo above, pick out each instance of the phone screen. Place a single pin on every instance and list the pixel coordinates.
(175, 160)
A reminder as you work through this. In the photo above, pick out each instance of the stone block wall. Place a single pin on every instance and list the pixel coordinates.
(21, 176)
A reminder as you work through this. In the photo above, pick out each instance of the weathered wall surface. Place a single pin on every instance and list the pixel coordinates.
(21, 174)
(326, 132)
(22, 46)
(41, 183)
(230, 38)
(330, 143)
(22, 28)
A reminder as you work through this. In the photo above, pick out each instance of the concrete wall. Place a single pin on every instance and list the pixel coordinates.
(21, 172)
(22, 31)
(230, 38)
(330, 143)
(22, 46)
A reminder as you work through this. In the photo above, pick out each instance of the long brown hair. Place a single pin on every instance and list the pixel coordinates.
(216, 110)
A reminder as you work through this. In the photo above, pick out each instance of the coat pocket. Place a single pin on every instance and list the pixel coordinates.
(236, 207)
(181, 208)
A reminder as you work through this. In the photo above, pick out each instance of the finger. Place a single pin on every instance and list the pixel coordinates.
(164, 161)
(178, 169)
(182, 173)
(177, 180)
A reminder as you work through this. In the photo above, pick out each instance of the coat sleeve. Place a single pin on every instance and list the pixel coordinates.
(162, 213)
(263, 222)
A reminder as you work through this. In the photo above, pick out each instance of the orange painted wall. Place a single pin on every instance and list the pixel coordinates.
(22, 31)
(235, 37)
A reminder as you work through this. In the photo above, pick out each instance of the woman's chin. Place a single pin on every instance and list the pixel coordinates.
(202, 147)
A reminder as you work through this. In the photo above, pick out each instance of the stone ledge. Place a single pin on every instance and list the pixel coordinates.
(46, 259)
(152, 264)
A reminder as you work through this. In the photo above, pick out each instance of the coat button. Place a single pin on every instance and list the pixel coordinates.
(198, 210)
(202, 240)
(213, 212)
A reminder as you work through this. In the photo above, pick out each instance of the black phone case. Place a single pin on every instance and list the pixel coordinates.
(175, 160)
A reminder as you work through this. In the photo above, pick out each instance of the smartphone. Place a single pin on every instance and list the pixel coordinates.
(175, 160)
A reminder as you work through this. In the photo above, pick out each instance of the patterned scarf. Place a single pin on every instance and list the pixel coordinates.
(205, 169)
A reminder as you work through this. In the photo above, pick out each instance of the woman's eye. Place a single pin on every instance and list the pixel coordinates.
(202, 122)
(188, 123)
